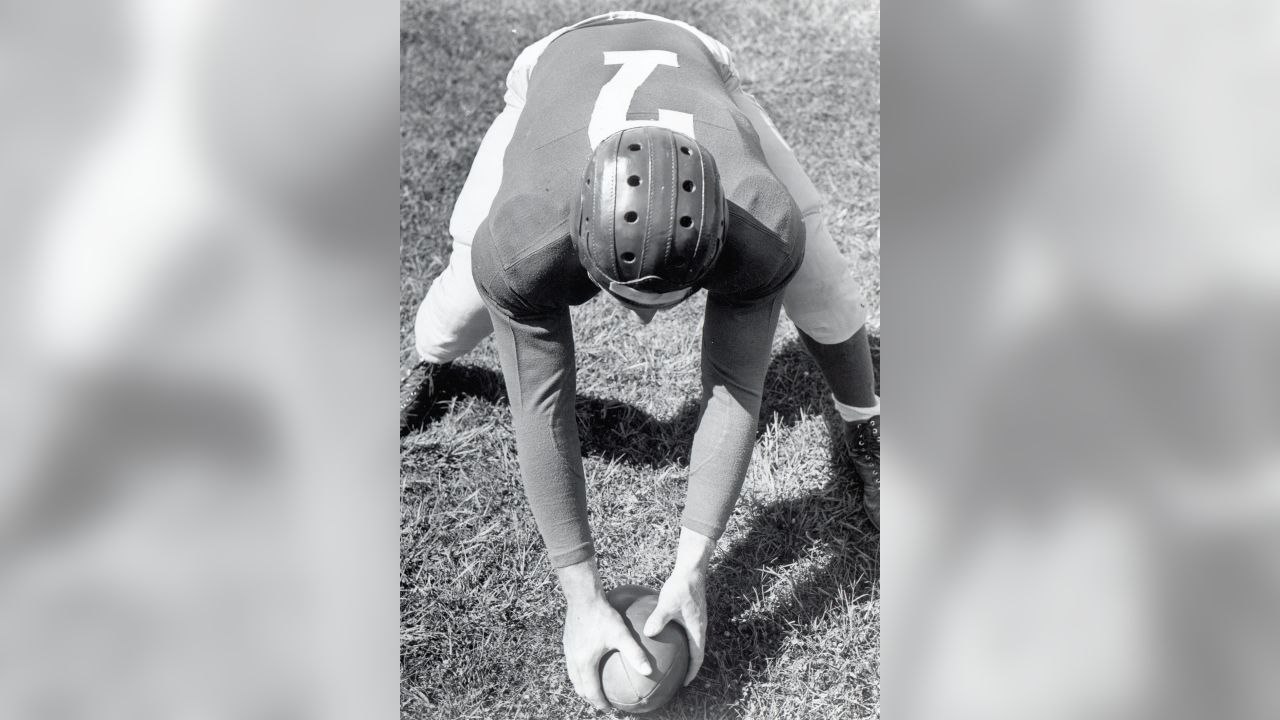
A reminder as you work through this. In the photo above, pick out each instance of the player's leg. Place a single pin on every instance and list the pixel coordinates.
(853, 380)
(825, 303)
(452, 319)
(823, 300)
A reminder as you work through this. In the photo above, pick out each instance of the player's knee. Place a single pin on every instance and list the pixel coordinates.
(428, 340)
(828, 318)
(826, 333)
(425, 346)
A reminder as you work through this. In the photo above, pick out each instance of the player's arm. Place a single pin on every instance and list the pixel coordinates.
(736, 341)
(537, 356)
(534, 335)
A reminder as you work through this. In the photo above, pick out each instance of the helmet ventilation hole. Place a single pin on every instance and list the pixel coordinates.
(628, 257)
(630, 216)
(634, 180)
(686, 221)
(684, 149)
(633, 147)
(688, 186)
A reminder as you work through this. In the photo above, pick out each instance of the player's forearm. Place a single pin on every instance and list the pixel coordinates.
(556, 491)
(718, 462)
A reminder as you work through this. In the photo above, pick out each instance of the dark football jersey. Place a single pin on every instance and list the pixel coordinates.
(588, 83)
(593, 80)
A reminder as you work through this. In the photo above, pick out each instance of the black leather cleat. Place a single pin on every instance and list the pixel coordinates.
(416, 391)
(864, 446)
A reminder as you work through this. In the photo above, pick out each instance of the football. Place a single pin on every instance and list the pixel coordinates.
(624, 687)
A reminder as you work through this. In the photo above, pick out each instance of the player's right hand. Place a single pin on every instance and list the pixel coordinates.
(592, 628)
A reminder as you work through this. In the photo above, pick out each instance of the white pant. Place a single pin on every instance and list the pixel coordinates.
(822, 300)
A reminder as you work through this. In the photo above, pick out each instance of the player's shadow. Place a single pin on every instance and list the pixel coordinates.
(456, 381)
(753, 613)
(617, 430)
(607, 427)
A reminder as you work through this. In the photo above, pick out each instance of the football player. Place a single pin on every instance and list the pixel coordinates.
(629, 162)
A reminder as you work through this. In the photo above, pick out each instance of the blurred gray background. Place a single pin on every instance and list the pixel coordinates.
(1080, 270)
(1081, 273)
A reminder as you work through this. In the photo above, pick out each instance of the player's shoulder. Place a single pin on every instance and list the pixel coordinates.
(763, 248)
(524, 261)
(762, 200)
(637, 32)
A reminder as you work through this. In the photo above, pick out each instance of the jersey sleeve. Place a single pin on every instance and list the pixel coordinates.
(537, 356)
(763, 251)
(528, 295)
(737, 340)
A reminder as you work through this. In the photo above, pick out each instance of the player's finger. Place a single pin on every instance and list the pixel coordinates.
(695, 662)
(697, 643)
(573, 677)
(590, 689)
(633, 654)
(658, 619)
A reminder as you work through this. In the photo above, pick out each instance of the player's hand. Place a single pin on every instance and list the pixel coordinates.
(592, 628)
(683, 599)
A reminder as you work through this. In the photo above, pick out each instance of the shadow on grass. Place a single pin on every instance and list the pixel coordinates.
(744, 637)
(454, 381)
(744, 632)
(618, 430)
(607, 427)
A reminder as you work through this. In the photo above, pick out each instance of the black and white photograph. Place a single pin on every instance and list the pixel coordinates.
(639, 413)
(633, 260)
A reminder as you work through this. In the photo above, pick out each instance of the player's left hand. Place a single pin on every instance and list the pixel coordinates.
(683, 599)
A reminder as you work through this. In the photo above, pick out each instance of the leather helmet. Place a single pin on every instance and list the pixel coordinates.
(650, 215)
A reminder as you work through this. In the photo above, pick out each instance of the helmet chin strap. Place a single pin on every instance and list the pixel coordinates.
(644, 316)
(657, 300)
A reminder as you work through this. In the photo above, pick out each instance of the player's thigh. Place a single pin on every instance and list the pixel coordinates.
(483, 179)
(452, 319)
(823, 299)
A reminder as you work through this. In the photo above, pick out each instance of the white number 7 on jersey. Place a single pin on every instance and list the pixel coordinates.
(610, 113)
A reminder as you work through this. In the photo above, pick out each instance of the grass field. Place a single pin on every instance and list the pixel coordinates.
(793, 593)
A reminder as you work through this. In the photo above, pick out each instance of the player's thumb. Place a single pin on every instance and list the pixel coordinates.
(635, 656)
(658, 619)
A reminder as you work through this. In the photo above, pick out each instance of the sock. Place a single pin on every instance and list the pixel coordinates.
(846, 366)
(850, 413)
